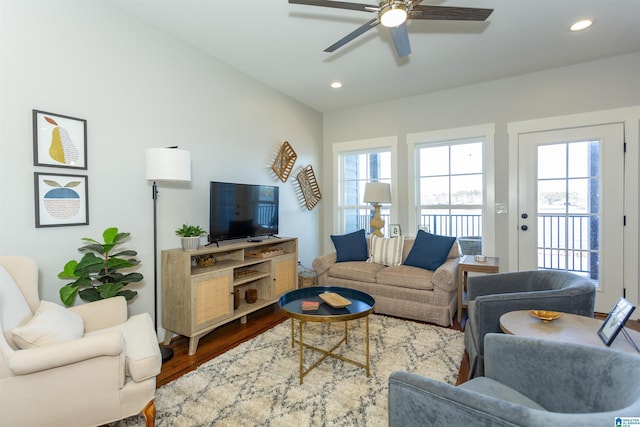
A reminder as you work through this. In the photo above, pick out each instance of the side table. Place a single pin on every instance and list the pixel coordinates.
(569, 328)
(468, 263)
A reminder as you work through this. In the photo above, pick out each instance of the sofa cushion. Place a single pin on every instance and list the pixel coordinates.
(386, 251)
(351, 246)
(356, 270)
(52, 324)
(429, 251)
(405, 276)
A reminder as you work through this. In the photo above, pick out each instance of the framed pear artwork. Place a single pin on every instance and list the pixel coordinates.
(59, 141)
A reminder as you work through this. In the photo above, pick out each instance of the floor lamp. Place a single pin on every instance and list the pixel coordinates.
(376, 193)
(164, 164)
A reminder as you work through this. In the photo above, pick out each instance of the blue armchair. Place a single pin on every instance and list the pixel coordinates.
(528, 382)
(490, 296)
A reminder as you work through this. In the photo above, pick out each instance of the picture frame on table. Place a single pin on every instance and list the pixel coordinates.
(394, 230)
(615, 321)
(59, 141)
(61, 199)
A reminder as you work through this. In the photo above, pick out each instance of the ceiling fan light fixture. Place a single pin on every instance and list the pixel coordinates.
(393, 15)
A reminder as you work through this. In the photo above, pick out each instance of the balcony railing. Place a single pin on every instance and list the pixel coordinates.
(565, 242)
(569, 242)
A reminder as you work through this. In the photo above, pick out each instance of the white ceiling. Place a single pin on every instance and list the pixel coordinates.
(282, 44)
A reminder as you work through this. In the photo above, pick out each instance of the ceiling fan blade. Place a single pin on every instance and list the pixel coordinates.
(352, 35)
(401, 40)
(338, 5)
(449, 13)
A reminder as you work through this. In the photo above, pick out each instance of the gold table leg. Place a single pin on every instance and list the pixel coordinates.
(346, 333)
(327, 353)
(301, 353)
(367, 342)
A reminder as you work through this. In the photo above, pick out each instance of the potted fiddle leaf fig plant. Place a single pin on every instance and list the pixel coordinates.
(190, 236)
(97, 275)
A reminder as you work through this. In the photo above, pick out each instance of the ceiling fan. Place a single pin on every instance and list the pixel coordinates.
(393, 15)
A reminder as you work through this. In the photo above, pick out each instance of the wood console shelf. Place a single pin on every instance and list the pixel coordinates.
(196, 300)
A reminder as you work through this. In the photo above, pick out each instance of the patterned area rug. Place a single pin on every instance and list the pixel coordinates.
(258, 383)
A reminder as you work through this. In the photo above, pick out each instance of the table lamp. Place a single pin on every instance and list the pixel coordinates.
(377, 193)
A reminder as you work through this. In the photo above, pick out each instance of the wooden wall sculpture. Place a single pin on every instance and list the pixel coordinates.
(284, 161)
(309, 187)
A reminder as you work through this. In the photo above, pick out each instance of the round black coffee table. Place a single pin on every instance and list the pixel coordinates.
(360, 305)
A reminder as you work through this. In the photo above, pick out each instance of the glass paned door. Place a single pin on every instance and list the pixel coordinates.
(571, 205)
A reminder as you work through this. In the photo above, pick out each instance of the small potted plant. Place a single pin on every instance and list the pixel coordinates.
(190, 235)
(96, 276)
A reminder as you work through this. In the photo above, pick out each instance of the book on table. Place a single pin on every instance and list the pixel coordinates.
(310, 305)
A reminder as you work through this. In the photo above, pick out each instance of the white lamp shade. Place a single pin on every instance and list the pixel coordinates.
(168, 164)
(377, 192)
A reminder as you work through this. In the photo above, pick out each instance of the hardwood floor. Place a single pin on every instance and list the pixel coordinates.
(217, 342)
(235, 333)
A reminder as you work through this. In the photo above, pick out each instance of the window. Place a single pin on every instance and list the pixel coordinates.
(359, 163)
(452, 183)
(449, 185)
(358, 168)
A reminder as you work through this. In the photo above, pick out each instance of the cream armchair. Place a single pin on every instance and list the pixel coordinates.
(57, 378)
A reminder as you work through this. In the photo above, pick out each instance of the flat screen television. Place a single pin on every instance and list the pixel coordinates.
(242, 211)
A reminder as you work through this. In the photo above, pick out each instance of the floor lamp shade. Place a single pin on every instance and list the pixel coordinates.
(168, 164)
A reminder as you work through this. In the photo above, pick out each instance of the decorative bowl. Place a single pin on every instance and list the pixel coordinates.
(545, 315)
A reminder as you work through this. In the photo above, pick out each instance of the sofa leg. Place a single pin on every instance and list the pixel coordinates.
(149, 413)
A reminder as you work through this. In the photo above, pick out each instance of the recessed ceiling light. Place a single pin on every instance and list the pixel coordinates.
(583, 24)
(336, 85)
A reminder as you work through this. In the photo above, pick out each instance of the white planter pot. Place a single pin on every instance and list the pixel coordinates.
(190, 244)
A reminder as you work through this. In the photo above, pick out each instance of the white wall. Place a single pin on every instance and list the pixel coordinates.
(599, 85)
(137, 87)
(593, 86)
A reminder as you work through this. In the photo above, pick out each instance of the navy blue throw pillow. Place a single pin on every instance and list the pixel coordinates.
(429, 251)
(351, 247)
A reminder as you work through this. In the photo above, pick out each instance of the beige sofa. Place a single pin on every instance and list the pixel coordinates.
(403, 291)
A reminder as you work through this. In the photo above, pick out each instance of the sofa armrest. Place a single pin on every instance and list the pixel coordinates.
(29, 361)
(102, 314)
(563, 377)
(446, 276)
(322, 263)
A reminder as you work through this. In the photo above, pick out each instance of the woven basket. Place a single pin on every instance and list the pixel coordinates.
(307, 277)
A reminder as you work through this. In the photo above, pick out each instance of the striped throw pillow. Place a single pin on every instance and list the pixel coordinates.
(386, 251)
